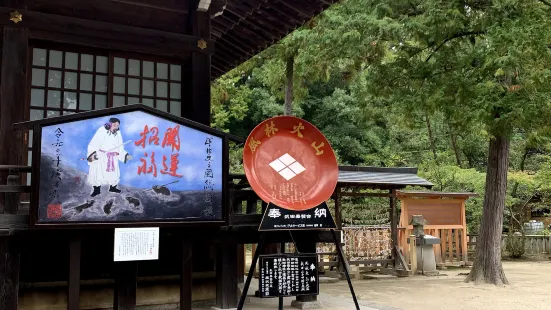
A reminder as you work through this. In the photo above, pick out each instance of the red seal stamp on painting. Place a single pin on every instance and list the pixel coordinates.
(290, 163)
(55, 211)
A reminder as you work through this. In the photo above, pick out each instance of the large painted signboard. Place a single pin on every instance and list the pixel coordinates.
(129, 167)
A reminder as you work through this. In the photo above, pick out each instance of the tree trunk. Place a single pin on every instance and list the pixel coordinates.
(487, 266)
(288, 108)
(453, 139)
(431, 136)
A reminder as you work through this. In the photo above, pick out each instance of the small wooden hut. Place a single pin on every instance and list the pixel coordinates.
(445, 217)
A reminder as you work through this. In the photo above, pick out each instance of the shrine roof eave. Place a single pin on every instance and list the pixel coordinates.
(381, 177)
(374, 177)
(246, 28)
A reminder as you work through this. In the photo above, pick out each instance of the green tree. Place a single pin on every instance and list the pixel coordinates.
(487, 60)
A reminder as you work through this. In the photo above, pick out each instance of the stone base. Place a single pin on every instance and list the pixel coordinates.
(306, 304)
(428, 273)
(216, 308)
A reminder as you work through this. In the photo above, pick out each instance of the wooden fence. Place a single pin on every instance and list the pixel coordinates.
(534, 244)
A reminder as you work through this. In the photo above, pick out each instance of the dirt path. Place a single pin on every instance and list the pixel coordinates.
(530, 289)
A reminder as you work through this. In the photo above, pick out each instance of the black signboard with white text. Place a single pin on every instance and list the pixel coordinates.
(284, 275)
(277, 218)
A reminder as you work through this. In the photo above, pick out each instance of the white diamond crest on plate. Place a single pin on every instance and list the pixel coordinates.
(287, 166)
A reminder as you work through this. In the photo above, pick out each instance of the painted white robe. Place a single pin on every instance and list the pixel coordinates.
(109, 150)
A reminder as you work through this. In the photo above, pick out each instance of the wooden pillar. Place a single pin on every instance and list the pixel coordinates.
(9, 253)
(394, 227)
(13, 84)
(226, 273)
(197, 70)
(186, 275)
(241, 255)
(125, 285)
(464, 234)
(338, 213)
(73, 290)
(9, 273)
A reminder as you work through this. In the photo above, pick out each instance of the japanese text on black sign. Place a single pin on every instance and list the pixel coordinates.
(288, 275)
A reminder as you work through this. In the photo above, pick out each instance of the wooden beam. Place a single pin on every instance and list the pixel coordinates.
(15, 189)
(13, 90)
(69, 29)
(223, 47)
(286, 16)
(12, 222)
(245, 219)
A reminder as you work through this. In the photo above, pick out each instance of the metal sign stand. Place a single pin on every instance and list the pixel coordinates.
(261, 247)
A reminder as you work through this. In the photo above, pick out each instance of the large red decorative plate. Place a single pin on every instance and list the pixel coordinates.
(290, 163)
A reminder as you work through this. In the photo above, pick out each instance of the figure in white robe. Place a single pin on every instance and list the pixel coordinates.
(105, 150)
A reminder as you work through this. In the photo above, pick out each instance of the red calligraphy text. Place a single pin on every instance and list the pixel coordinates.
(172, 138)
(153, 137)
(145, 169)
(173, 166)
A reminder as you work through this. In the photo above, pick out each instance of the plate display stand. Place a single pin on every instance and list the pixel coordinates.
(286, 222)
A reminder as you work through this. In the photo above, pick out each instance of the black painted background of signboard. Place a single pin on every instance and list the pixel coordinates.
(267, 291)
(277, 218)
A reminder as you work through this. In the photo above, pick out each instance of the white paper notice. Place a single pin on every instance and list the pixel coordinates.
(132, 244)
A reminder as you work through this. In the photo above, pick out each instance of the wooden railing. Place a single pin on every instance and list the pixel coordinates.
(534, 244)
(452, 250)
(15, 214)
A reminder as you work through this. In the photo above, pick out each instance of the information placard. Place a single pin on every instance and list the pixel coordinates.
(284, 275)
(134, 244)
(276, 218)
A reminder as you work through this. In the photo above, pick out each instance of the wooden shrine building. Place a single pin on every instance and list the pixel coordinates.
(71, 56)
(445, 217)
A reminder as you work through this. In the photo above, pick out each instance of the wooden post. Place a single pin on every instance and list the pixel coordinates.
(338, 213)
(13, 86)
(241, 249)
(413, 256)
(464, 234)
(9, 253)
(73, 291)
(186, 275)
(394, 227)
(197, 70)
(125, 286)
(226, 273)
